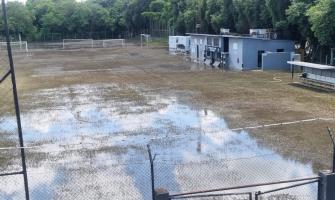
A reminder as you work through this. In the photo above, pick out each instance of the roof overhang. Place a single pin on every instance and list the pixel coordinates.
(311, 65)
(233, 36)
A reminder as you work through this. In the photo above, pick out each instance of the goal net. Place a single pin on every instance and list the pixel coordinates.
(16, 46)
(77, 43)
(113, 43)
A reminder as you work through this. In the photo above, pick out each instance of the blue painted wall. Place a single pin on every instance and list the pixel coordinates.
(252, 46)
(243, 52)
(276, 61)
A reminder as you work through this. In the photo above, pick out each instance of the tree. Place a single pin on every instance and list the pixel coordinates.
(322, 18)
(314, 30)
(20, 20)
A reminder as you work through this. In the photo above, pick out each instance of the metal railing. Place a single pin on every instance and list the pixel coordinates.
(240, 196)
(258, 195)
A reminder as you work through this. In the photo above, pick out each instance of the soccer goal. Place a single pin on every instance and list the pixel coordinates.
(147, 38)
(16, 46)
(113, 42)
(77, 43)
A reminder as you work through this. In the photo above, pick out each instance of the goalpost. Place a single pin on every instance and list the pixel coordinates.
(77, 43)
(147, 38)
(16, 46)
(113, 42)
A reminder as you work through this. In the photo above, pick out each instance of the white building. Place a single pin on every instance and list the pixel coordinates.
(179, 44)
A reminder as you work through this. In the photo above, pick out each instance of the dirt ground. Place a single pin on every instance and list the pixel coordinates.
(243, 99)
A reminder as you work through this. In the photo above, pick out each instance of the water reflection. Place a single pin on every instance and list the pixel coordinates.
(194, 148)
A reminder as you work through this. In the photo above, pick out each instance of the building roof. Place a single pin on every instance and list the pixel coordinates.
(178, 36)
(312, 65)
(233, 36)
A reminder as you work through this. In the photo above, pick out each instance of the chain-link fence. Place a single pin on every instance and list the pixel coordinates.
(224, 196)
(301, 191)
(92, 178)
(206, 175)
(79, 177)
(11, 153)
(110, 182)
(62, 174)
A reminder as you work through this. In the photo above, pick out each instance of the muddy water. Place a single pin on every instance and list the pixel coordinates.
(90, 143)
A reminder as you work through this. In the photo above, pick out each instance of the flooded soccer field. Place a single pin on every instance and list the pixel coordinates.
(88, 116)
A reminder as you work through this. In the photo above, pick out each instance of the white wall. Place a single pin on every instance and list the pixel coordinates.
(201, 42)
(174, 41)
(235, 53)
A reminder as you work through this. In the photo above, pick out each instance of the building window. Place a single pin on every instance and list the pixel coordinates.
(209, 41)
(216, 42)
(195, 40)
(177, 41)
(280, 50)
(200, 41)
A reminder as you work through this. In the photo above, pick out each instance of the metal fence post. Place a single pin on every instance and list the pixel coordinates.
(320, 189)
(152, 172)
(16, 101)
(257, 194)
(161, 194)
(250, 196)
(332, 137)
(327, 185)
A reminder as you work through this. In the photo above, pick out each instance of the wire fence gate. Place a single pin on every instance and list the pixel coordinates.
(10, 100)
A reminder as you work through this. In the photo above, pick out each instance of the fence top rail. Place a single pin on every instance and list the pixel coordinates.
(213, 195)
(246, 186)
(288, 187)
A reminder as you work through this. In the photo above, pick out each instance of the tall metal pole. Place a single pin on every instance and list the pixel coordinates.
(141, 40)
(332, 52)
(152, 172)
(332, 137)
(16, 100)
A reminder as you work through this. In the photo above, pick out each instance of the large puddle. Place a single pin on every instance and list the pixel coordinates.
(91, 144)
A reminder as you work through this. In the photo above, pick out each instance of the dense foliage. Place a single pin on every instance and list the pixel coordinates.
(310, 22)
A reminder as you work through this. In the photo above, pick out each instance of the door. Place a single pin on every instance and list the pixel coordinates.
(197, 51)
(260, 59)
(225, 44)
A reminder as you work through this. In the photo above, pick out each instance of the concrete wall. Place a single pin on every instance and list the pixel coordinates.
(175, 40)
(235, 53)
(201, 42)
(252, 46)
(276, 61)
